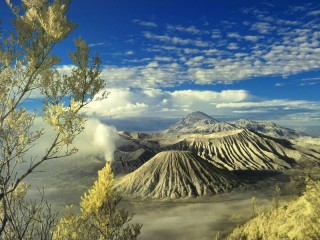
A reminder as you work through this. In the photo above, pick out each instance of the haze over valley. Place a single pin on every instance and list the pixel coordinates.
(198, 172)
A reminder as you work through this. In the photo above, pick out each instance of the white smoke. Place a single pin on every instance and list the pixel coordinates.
(104, 138)
(97, 138)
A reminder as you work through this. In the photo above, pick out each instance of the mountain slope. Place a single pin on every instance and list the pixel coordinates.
(243, 149)
(198, 122)
(175, 174)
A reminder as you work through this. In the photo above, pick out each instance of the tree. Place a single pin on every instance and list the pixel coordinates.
(27, 66)
(28, 219)
(99, 216)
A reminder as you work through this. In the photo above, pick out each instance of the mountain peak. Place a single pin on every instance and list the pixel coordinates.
(195, 122)
(195, 117)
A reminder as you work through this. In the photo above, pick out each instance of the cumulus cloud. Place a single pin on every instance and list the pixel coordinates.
(137, 106)
(125, 102)
(119, 102)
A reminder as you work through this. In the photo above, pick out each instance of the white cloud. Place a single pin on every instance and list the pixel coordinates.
(234, 35)
(251, 111)
(311, 79)
(216, 34)
(164, 59)
(262, 27)
(125, 102)
(145, 23)
(195, 61)
(233, 46)
(96, 44)
(314, 13)
(309, 83)
(129, 52)
(120, 102)
(189, 29)
(176, 40)
(210, 97)
(150, 75)
(251, 38)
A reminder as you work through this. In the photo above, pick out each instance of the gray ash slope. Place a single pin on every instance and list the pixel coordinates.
(242, 149)
(177, 174)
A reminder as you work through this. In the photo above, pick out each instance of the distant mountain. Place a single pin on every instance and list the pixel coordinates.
(198, 122)
(267, 128)
(177, 174)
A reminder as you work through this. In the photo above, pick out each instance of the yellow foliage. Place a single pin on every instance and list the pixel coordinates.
(96, 197)
(28, 65)
(300, 219)
(99, 216)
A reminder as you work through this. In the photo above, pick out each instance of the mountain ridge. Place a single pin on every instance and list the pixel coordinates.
(268, 128)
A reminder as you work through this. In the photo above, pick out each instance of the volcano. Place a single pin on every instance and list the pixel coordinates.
(177, 174)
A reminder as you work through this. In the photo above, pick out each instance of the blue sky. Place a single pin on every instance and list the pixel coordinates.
(231, 59)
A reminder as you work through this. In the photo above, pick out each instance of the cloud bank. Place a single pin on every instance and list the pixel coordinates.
(128, 103)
